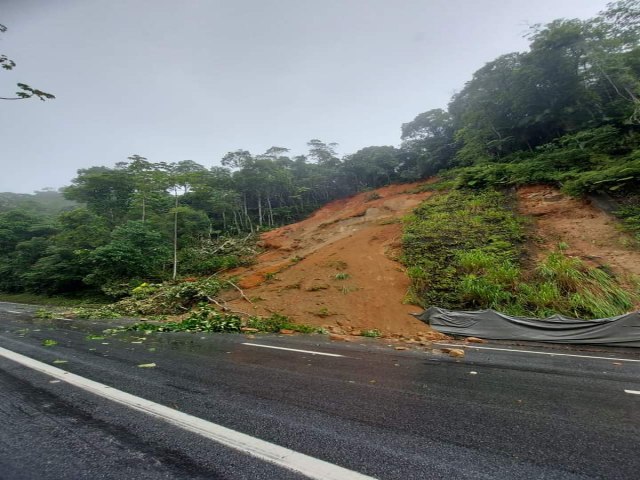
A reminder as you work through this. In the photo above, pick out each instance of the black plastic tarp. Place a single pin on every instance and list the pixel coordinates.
(621, 331)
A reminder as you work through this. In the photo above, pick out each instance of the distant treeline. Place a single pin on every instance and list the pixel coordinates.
(566, 111)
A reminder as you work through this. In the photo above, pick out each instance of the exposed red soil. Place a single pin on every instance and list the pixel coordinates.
(337, 268)
(591, 234)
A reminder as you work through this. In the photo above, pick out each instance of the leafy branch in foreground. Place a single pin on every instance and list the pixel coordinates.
(24, 90)
(208, 319)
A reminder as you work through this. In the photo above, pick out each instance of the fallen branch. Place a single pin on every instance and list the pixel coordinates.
(225, 309)
(240, 291)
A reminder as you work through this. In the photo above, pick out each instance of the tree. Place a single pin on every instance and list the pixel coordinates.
(24, 90)
(428, 144)
(107, 192)
(180, 177)
(372, 167)
(135, 251)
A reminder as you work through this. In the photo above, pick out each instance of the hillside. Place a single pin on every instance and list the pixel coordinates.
(339, 268)
(590, 233)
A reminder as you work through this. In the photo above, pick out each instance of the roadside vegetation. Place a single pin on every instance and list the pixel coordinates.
(154, 238)
(189, 306)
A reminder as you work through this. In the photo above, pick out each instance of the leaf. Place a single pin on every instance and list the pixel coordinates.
(58, 361)
(147, 365)
(49, 343)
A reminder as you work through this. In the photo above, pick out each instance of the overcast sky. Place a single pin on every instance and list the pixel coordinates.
(189, 79)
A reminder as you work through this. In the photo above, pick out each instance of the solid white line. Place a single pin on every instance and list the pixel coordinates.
(283, 457)
(633, 392)
(293, 350)
(537, 353)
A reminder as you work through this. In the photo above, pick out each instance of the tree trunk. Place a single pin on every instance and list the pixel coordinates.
(175, 239)
(270, 212)
(235, 220)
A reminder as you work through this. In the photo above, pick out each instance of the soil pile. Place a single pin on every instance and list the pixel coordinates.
(338, 268)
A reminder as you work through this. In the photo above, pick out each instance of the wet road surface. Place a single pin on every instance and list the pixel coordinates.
(364, 407)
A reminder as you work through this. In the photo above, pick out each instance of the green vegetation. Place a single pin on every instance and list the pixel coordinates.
(630, 215)
(464, 250)
(169, 298)
(207, 319)
(34, 299)
(447, 225)
(155, 234)
(45, 314)
(277, 322)
(371, 333)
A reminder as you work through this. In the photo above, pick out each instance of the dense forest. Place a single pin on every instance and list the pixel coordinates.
(565, 112)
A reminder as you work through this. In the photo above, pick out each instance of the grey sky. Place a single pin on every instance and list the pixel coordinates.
(189, 79)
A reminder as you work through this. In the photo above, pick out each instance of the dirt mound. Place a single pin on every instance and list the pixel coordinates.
(591, 234)
(338, 267)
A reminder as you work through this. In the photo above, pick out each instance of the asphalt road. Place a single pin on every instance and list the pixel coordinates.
(383, 413)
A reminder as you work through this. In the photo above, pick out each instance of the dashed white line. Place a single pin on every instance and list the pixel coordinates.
(298, 462)
(633, 392)
(537, 353)
(293, 350)
(13, 311)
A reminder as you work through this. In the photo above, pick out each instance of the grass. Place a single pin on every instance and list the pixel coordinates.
(374, 333)
(33, 299)
(630, 216)
(465, 251)
(446, 226)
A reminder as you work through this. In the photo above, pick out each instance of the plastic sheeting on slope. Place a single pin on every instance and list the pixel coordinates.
(621, 331)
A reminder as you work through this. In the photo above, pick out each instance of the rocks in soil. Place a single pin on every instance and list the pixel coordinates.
(475, 340)
(456, 352)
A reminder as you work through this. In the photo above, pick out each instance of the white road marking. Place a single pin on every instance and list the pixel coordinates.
(633, 392)
(293, 350)
(308, 466)
(537, 353)
(13, 311)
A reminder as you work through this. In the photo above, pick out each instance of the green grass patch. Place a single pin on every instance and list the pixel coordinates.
(464, 250)
(448, 225)
(33, 299)
(630, 216)
(277, 322)
(374, 333)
